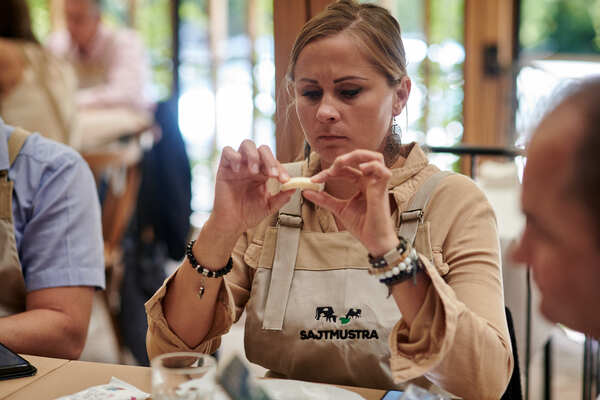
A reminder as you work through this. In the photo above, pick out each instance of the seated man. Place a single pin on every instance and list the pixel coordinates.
(112, 70)
(561, 201)
(51, 250)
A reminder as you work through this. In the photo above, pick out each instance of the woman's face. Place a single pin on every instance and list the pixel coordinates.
(342, 101)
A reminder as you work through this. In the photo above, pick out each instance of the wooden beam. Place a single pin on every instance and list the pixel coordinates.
(175, 50)
(316, 6)
(489, 29)
(288, 18)
(57, 15)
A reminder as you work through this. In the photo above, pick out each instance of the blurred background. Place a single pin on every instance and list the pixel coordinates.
(221, 70)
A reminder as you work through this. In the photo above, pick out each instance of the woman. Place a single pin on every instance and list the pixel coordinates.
(37, 92)
(329, 320)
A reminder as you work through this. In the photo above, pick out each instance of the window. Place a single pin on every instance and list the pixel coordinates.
(227, 78)
(560, 41)
(433, 37)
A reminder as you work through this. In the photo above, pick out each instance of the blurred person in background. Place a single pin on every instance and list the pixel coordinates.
(37, 91)
(112, 70)
(51, 249)
(113, 73)
(561, 203)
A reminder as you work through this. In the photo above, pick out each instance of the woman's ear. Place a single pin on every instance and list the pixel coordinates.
(401, 93)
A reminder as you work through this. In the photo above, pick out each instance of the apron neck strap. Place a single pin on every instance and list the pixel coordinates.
(289, 223)
(410, 219)
(15, 143)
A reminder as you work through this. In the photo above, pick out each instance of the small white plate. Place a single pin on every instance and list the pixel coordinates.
(287, 389)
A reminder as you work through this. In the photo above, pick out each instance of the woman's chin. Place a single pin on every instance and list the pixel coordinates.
(328, 154)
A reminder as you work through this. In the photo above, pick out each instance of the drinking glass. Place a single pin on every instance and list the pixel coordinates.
(183, 376)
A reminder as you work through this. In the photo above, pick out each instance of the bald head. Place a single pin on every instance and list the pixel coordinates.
(561, 201)
(565, 147)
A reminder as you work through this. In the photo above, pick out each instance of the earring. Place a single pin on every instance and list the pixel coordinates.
(307, 152)
(391, 149)
(396, 131)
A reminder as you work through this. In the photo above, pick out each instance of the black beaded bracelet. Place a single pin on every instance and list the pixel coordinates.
(203, 270)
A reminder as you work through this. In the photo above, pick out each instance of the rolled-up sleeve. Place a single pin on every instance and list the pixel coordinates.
(57, 217)
(459, 339)
(231, 301)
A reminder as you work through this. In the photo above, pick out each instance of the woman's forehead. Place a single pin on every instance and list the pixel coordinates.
(332, 56)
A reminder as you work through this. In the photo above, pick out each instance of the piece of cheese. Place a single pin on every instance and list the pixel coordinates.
(302, 183)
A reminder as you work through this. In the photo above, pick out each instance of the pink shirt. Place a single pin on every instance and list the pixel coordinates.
(120, 54)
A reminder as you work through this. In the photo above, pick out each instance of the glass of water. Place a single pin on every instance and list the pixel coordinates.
(183, 376)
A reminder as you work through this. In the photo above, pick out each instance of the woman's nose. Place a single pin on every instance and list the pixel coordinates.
(327, 111)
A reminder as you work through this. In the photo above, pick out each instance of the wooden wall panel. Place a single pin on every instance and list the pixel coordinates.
(289, 17)
(57, 15)
(488, 97)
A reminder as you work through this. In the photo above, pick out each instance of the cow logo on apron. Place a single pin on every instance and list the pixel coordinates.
(327, 314)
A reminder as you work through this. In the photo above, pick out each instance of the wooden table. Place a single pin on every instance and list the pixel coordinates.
(56, 377)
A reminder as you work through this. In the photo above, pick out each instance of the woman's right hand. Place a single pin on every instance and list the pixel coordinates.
(241, 196)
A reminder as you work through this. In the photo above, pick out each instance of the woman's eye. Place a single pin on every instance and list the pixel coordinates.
(350, 93)
(312, 94)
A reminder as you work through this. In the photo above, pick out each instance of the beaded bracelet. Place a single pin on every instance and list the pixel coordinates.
(203, 270)
(408, 273)
(384, 260)
(397, 265)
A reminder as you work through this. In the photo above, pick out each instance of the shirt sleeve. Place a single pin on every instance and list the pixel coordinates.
(60, 242)
(459, 338)
(126, 74)
(231, 301)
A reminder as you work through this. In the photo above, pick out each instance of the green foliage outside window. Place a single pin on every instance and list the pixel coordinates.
(40, 17)
(560, 26)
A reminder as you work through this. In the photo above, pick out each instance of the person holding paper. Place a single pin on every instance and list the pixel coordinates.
(349, 285)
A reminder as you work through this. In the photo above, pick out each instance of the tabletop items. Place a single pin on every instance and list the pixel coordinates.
(116, 389)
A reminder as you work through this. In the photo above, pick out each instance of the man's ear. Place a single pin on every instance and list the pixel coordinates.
(401, 93)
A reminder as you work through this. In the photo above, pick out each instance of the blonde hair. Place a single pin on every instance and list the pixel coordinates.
(376, 31)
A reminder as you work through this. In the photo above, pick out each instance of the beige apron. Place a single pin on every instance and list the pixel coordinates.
(338, 318)
(12, 295)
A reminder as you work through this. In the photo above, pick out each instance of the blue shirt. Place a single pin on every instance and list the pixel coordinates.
(56, 214)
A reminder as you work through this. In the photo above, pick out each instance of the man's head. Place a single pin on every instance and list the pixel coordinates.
(561, 200)
(83, 19)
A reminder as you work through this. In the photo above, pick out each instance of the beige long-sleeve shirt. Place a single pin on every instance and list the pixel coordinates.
(459, 339)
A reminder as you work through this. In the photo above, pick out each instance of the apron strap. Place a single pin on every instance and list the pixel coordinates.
(15, 142)
(289, 223)
(410, 220)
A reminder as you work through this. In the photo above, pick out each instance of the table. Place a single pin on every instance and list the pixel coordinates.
(57, 377)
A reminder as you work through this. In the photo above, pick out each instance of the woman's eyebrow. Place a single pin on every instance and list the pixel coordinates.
(349, 77)
(338, 80)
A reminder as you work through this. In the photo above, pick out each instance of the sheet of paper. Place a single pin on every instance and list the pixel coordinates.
(116, 389)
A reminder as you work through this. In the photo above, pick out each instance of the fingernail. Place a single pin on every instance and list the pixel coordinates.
(274, 171)
(254, 168)
(285, 175)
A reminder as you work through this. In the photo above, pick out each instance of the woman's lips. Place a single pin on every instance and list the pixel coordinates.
(330, 138)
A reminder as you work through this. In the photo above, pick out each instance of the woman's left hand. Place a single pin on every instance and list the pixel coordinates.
(367, 213)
